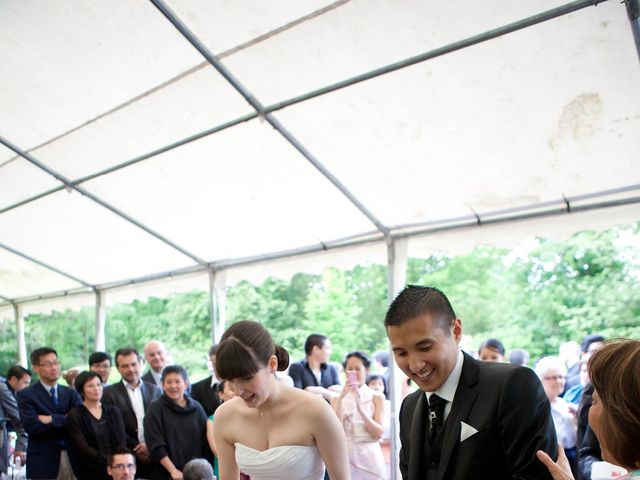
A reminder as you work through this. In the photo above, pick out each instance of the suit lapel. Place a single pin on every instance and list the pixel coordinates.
(465, 397)
(46, 397)
(146, 400)
(420, 452)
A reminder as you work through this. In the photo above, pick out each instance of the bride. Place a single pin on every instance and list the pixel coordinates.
(270, 430)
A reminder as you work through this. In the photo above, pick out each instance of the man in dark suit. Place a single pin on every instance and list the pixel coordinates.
(43, 411)
(469, 419)
(314, 374)
(133, 396)
(206, 391)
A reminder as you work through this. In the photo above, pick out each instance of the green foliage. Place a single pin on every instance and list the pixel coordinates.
(535, 297)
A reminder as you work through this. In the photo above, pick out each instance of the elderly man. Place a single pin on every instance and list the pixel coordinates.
(157, 356)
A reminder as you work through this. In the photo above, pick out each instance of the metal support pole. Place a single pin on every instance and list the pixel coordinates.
(213, 305)
(20, 339)
(217, 302)
(101, 321)
(396, 279)
(633, 11)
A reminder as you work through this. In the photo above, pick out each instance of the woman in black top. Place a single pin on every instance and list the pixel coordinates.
(95, 429)
(175, 426)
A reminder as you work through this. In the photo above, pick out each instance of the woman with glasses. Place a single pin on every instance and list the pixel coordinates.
(552, 373)
(95, 429)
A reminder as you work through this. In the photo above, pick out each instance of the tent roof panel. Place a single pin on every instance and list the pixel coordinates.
(193, 104)
(20, 277)
(74, 234)
(528, 117)
(503, 134)
(246, 181)
(20, 179)
(65, 63)
(224, 25)
(350, 40)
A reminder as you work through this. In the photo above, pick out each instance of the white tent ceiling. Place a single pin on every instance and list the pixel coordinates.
(174, 172)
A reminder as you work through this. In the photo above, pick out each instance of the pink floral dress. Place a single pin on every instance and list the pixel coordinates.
(365, 455)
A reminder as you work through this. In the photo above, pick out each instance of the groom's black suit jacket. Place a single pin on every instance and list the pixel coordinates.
(508, 407)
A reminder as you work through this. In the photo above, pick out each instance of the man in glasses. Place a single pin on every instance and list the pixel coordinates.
(122, 465)
(43, 410)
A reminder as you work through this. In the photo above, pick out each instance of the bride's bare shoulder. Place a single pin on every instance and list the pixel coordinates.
(228, 408)
(306, 401)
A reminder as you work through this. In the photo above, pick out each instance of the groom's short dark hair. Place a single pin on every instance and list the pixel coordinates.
(416, 300)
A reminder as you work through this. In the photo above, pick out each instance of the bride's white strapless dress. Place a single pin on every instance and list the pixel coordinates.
(297, 462)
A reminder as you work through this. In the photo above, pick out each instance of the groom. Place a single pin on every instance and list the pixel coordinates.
(469, 419)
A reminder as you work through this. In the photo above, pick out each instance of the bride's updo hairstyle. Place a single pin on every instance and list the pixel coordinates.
(245, 348)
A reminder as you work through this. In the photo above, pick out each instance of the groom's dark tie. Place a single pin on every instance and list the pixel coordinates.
(436, 414)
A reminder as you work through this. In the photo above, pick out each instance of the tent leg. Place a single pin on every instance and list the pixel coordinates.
(217, 303)
(633, 11)
(101, 320)
(20, 338)
(396, 279)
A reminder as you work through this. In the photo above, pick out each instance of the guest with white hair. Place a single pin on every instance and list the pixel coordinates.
(552, 372)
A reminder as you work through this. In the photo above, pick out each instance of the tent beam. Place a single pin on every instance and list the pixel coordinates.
(452, 47)
(45, 265)
(429, 228)
(69, 184)
(260, 109)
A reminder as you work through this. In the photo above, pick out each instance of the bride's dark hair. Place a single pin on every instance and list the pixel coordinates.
(245, 348)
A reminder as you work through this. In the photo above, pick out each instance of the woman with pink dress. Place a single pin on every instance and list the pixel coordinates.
(361, 411)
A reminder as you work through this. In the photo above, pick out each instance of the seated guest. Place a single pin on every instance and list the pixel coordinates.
(614, 416)
(175, 425)
(491, 350)
(100, 362)
(122, 465)
(95, 429)
(198, 469)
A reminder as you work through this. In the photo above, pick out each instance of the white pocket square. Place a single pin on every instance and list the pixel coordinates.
(466, 431)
